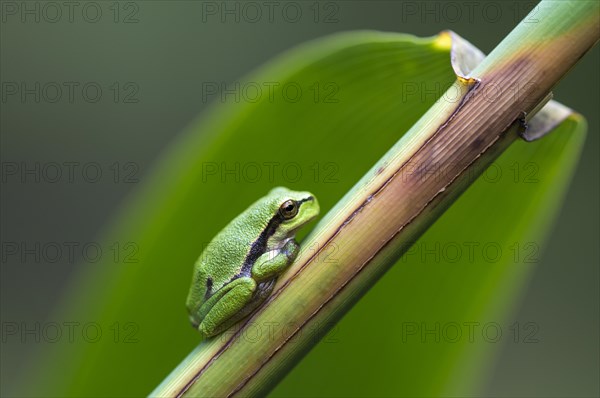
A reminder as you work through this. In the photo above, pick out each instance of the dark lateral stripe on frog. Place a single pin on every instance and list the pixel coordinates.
(209, 284)
(259, 245)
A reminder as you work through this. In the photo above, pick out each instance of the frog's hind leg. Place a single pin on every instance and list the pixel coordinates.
(225, 304)
(258, 296)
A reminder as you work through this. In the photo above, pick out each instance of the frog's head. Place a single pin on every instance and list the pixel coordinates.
(293, 209)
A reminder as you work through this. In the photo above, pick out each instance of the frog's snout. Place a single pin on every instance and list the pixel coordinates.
(312, 207)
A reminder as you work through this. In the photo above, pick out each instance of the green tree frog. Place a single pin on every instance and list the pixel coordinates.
(238, 269)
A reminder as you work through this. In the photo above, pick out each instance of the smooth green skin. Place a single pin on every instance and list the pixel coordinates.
(239, 267)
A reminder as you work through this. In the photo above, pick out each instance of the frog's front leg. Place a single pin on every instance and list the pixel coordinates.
(267, 267)
(225, 307)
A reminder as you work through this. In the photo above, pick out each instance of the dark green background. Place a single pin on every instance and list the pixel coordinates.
(168, 50)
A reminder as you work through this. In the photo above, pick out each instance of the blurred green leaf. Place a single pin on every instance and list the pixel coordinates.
(317, 118)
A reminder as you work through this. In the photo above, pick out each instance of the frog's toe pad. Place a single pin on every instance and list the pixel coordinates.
(206, 329)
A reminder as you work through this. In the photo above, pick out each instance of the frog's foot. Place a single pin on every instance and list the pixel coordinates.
(291, 250)
(260, 294)
(267, 268)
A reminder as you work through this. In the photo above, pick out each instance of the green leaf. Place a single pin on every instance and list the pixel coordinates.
(359, 93)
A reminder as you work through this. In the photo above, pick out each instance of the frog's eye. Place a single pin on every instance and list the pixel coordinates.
(289, 209)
